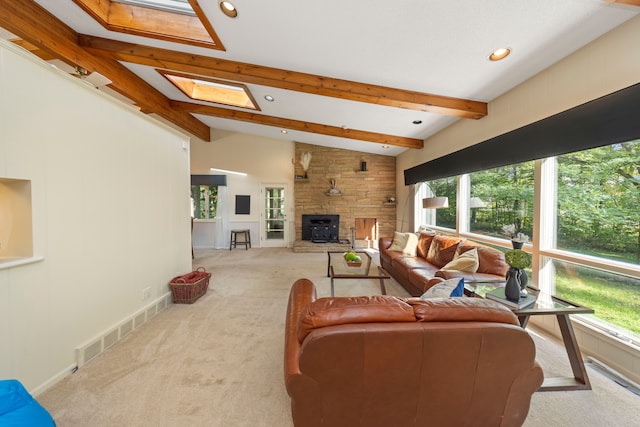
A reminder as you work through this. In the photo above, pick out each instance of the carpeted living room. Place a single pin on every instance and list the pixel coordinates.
(109, 190)
(219, 361)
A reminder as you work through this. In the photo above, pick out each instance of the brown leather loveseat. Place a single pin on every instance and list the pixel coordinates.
(415, 272)
(384, 361)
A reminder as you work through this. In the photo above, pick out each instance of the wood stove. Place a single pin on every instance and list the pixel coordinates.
(321, 228)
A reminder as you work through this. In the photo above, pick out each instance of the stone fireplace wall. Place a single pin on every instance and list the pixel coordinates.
(363, 194)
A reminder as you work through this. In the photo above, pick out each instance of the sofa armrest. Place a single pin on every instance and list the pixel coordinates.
(303, 293)
(384, 242)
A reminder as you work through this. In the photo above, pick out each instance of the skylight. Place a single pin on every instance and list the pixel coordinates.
(175, 6)
(179, 21)
(211, 90)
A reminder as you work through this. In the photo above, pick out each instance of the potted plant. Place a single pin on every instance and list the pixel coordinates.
(516, 286)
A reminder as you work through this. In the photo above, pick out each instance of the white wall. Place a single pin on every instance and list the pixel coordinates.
(264, 160)
(606, 65)
(110, 191)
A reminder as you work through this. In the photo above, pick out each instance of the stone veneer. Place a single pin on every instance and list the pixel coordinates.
(363, 194)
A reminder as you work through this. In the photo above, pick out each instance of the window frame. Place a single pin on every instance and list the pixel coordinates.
(543, 247)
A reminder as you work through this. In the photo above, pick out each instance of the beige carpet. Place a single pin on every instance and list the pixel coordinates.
(218, 362)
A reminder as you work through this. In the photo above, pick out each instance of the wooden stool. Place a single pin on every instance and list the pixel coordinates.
(234, 239)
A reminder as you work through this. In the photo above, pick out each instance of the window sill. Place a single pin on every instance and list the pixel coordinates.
(10, 262)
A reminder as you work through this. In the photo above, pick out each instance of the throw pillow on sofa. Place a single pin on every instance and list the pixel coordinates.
(466, 261)
(445, 289)
(442, 250)
(424, 243)
(405, 243)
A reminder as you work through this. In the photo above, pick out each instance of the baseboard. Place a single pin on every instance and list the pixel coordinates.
(103, 341)
(52, 381)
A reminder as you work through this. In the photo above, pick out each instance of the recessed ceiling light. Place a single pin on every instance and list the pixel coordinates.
(385, 147)
(284, 131)
(417, 122)
(499, 54)
(228, 9)
(269, 98)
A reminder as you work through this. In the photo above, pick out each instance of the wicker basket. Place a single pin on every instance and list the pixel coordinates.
(188, 288)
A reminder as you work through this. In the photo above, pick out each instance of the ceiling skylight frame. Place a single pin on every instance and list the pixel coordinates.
(174, 6)
(195, 81)
(142, 18)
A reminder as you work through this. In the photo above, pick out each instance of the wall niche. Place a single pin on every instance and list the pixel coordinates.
(16, 235)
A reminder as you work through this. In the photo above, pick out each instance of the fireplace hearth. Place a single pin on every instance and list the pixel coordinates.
(321, 228)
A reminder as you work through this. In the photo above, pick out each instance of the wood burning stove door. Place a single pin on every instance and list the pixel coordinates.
(274, 228)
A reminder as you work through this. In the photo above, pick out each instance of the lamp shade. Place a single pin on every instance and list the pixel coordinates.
(476, 202)
(435, 202)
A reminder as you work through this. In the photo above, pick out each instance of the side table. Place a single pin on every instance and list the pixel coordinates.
(562, 309)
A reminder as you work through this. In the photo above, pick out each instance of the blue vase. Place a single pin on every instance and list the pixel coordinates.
(512, 288)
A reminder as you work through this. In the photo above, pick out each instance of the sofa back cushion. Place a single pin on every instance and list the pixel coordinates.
(442, 250)
(424, 243)
(342, 310)
(461, 310)
(490, 261)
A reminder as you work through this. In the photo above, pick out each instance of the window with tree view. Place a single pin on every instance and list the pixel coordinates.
(205, 199)
(597, 215)
(500, 197)
(598, 202)
(444, 187)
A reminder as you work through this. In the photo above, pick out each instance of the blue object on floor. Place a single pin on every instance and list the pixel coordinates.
(19, 409)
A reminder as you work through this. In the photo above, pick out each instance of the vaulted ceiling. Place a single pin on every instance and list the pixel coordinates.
(373, 76)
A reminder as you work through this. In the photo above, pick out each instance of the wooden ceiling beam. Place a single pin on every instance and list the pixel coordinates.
(299, 125)
(283, 79)
(29, 21)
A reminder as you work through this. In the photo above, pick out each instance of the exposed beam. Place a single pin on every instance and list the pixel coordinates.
(627, 2)
(33, 49)
(297, 125)
(29, 21)
(284, 79)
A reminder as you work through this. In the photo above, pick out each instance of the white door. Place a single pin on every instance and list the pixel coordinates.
(274, 230)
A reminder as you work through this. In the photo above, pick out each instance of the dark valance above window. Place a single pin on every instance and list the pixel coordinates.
(209, 180)
(607, 120)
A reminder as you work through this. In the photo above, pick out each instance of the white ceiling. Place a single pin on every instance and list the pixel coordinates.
(432, 46)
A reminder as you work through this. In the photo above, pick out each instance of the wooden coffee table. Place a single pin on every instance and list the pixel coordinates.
(337, 268)
(562, 309)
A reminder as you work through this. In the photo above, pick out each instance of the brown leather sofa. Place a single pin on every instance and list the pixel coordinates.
(416, 273)
(383, 361)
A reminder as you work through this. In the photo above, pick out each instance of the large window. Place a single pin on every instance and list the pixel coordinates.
(599, 202)
(204, 201)
(442, 217)
(588, 245)
(500, 197)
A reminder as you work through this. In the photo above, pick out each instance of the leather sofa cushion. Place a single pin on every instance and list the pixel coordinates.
(442, 250)
(409, 263)
(424, 243)
(461, 310)
(365, 309)
(490, 261)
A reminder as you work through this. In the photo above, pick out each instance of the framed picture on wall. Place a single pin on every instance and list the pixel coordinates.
(243, 205)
